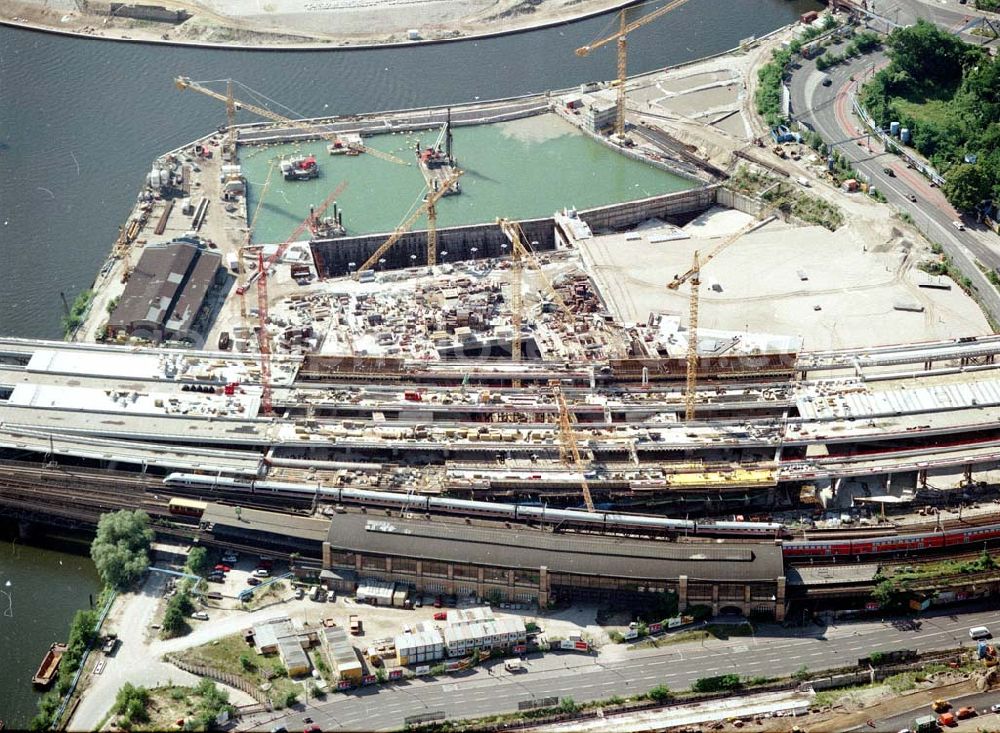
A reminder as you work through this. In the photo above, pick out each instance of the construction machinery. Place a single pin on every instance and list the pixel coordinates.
(622, 38)
(432, 197)
(183, 82)
(569, 448)
(306, 223)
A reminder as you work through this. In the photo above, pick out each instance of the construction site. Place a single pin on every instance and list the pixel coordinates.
(673, 358)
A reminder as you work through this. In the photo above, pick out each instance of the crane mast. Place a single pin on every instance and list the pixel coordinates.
(691, 386)
(567, 440)
(622, 38)
(432, 198)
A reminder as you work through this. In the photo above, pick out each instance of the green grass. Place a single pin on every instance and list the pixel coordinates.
(936, 112)
(224, 655)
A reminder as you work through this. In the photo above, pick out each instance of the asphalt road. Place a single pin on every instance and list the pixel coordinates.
(773, 651)
(827, 110)
(982, 701)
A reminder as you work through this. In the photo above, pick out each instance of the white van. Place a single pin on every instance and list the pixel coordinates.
(979, 632)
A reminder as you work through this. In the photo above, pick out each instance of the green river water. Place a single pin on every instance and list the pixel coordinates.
(522, 169)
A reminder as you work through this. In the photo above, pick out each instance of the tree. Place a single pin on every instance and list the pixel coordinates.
(173, 621)
(884, 592)
(197, 561)
(966, 186)
(121, 548)
(567, 705)
(130, 703)
(660, 693)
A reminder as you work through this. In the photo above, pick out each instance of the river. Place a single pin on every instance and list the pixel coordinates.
(40, 590)
(81, 121)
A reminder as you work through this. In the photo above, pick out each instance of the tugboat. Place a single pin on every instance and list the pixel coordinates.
(49, 666)
(300, 168)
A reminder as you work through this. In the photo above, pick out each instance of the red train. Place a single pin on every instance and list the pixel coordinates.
(959, 537)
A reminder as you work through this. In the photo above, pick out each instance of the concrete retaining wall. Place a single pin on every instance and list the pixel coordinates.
(842, 680)
(333, 257)
(734, 200)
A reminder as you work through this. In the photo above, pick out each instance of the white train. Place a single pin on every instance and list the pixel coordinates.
(611, 521)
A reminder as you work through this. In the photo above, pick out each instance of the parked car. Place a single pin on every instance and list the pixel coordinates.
(331, 595)
(200, 615)
(958, 225)
(230, 558)
(214, 578)
(911, 197)
(966, 712)
(437, 602)
(418, 602)
(299, 593)
(253, 581)
(995, 708)
(223, 568)
(441, 616)
(262, 572)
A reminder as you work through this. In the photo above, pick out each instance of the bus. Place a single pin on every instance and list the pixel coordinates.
(187, 507)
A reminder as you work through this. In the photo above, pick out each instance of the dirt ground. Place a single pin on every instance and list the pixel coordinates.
(294, 23)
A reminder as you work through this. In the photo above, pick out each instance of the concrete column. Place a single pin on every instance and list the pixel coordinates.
(779, 604)
(543, 586)
(510, 585)
(746, 595)
(357, 563)
(420, 576)
(480, 584)
(451, 579)
(388, 566)
(682, 593)
(715, 599)
(327, 559)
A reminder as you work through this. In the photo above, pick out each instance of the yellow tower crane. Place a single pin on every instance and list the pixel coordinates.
(681, 279)
(570, 449)
(622, 37)
(428, 206)
(183, 82)
(691, 386)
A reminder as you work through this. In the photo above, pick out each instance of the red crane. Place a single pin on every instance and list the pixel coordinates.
(313, 215)
(263, 338)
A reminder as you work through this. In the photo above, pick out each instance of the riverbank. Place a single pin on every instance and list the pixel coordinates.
(287, 25)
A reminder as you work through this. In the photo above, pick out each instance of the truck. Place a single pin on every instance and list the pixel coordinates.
(355, 624)
(946, 720)
(513, 665)
(925, 724)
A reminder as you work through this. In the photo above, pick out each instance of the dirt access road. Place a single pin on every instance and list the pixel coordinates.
(292, 23)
